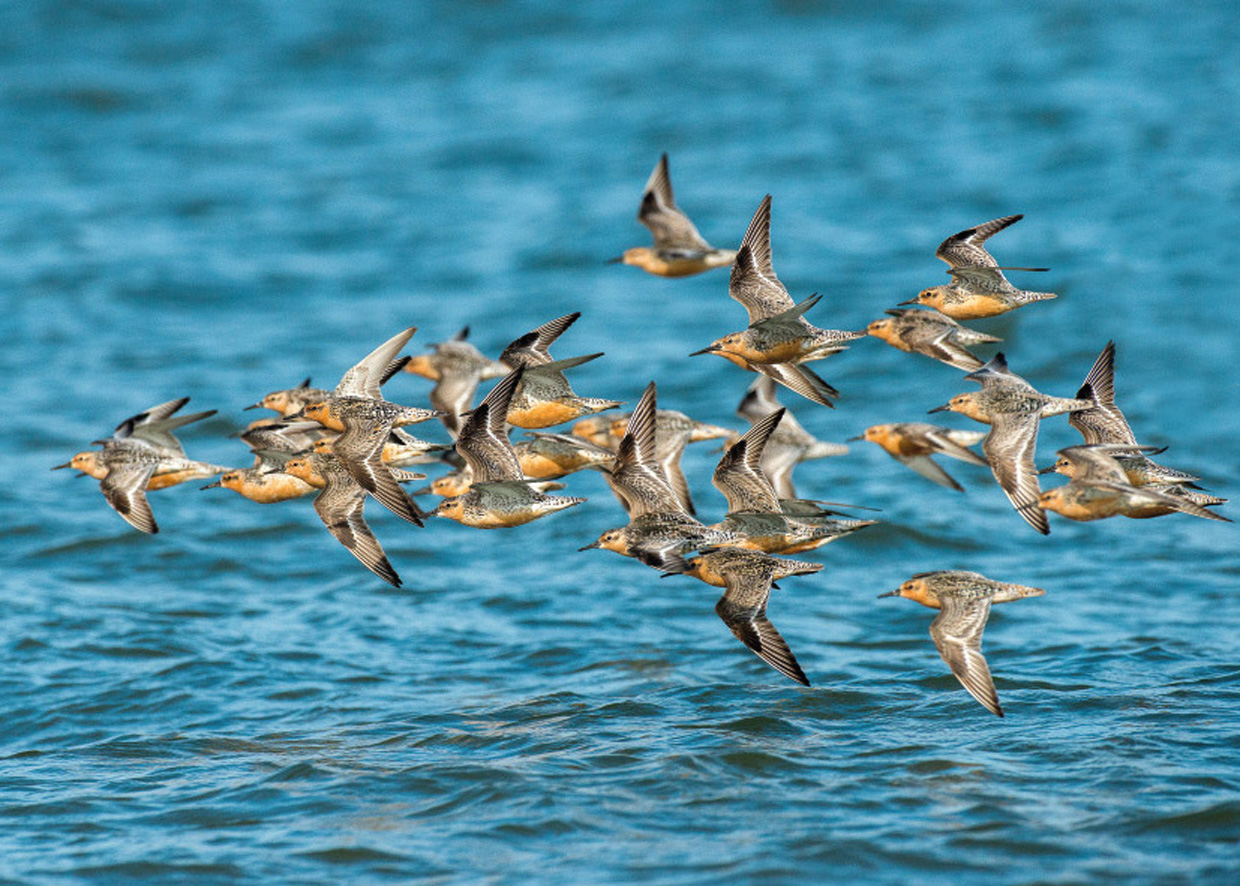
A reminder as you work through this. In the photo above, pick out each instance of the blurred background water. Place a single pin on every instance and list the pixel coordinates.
(217, 200)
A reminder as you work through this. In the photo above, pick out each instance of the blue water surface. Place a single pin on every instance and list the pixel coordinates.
(217, 200)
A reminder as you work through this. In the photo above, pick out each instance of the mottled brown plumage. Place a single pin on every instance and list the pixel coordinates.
(678, 250)
(963, 600)
(748, 577)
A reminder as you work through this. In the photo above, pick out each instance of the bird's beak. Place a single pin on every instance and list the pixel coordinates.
(851, 439)
(67, 464)
(946, 407)
(894, 593)
(911, 301)
(614, 261)
(210, 485)
(592, 544)
(299, 414)
(258, 405)
(1049, 470)
(709, 349)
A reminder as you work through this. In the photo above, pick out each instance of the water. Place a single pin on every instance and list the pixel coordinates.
(217, 201)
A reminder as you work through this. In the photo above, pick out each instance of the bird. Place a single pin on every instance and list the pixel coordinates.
(1148, 509)
(755, 511)
(753, 283)
(545, 398)
(747, 578)
(931, 334)
(365, 419)
(789, 444)
(551, 456)
(678, 249)
(153, 427)
(291, 400)
(813, 513)
(1104, 422)
(1013, 408)
(602, 430)
(637, 477)
(339, 505)
(913, 443)
(673, 431)
(659, 530)
(449, 485)
(266, 482)
(963, 600)
(394, 453)
(784, 338)
(533, 348)
(143, 454)
(1099, 488)
(458, 482)
(399, 450)
(978, 288)
(284, 434)
(499, 496)
(1139, 469)
(456, 367)
(739, 474)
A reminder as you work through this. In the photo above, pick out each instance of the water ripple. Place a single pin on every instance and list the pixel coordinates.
(217, 200)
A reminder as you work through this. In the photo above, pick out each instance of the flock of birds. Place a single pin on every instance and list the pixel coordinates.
(348, 444)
